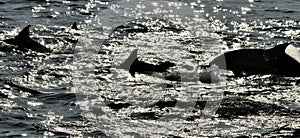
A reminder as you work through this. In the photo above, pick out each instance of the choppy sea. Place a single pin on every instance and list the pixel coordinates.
(79, 91)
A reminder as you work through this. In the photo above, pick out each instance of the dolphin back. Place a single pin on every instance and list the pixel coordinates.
(276, 60)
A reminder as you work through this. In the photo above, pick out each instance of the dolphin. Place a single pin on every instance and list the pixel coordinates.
(282, 59)
(133, 65)
(24, 42)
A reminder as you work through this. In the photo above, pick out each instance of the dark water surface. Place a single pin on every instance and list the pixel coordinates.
(78, 91)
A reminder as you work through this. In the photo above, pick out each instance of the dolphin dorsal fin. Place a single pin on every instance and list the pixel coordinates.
(74, 26)
(132, 57)
(24, 33)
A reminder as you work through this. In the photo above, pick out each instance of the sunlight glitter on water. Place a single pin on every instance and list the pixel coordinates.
(147, 93)
(259, 105)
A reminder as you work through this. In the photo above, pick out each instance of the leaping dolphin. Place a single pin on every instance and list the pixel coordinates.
(133, 65)
(24, 42)
(282, 59)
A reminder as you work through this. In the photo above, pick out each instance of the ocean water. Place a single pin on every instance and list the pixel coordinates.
(78, 90)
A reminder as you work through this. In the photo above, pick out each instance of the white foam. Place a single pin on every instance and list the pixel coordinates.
(293, 52)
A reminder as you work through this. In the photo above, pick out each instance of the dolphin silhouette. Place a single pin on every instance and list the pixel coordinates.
(133, 65)
(282, 59)
(74, 26)
(24, 42)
